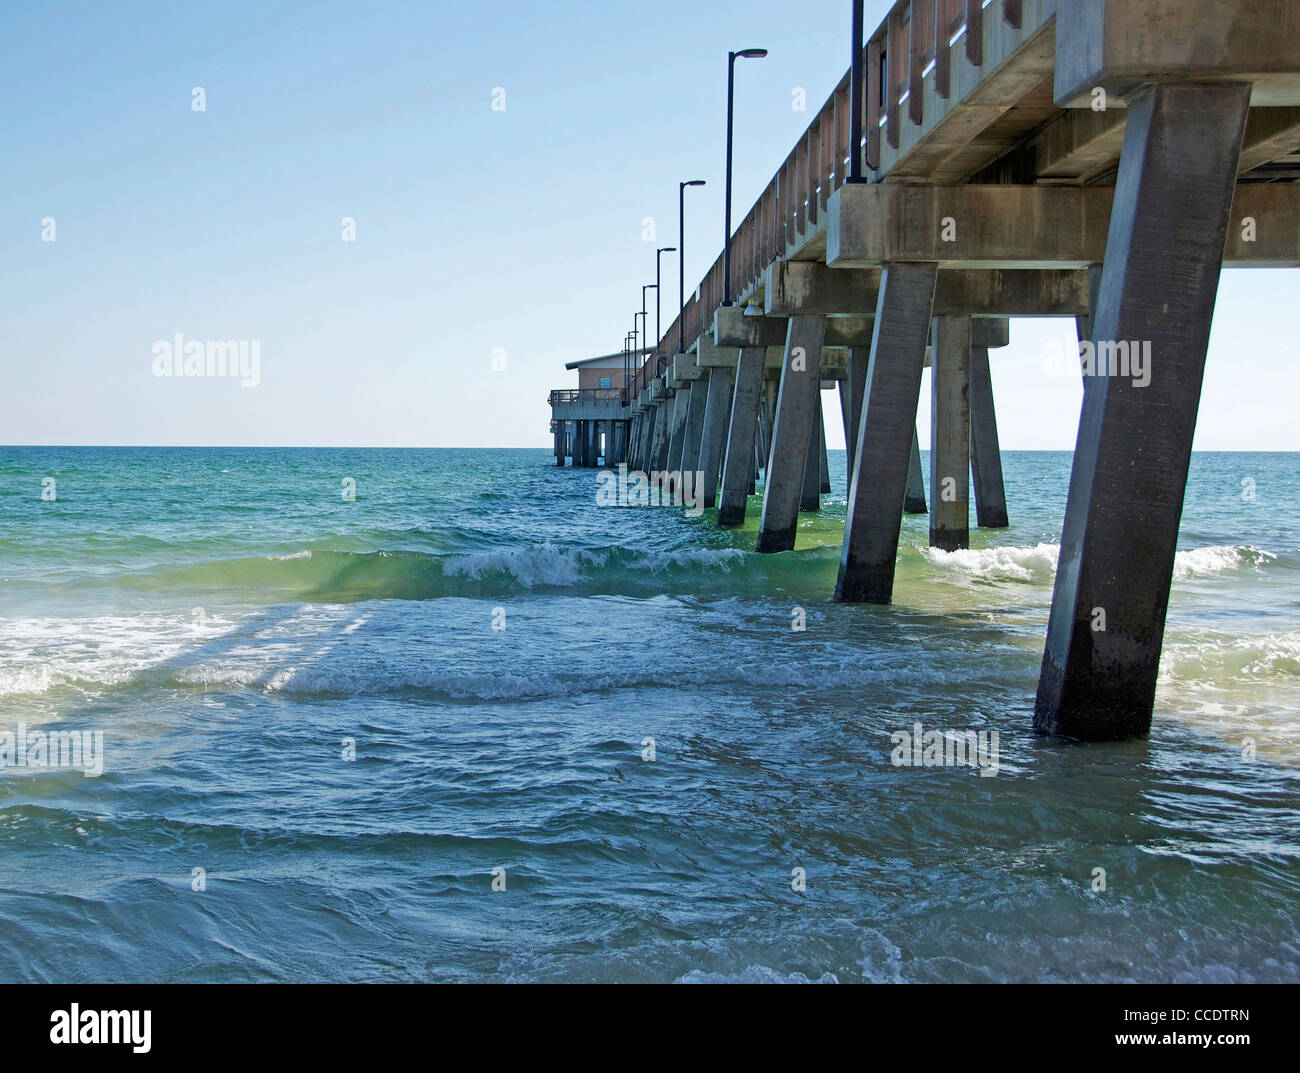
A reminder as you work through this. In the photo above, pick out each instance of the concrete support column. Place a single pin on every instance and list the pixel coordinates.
(810, 496)
(797, 402)
(879, 482)
(852, 388)
(717, 411)
(677, 429)
(985, 454)
(695, 424)
(646, 438)
(950, 434)
(1083, 322)
(559, 443)
(914, 499)
(659, 454)
(1164, 252)
(770, 390)
(738, 461)
(823, 460)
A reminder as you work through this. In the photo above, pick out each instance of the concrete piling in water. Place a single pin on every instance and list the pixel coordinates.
(677, 428)
(950, 434)
(659, 460)
(823, 460)
(888, 424)
(852, 388)
(914, 499)
(1160, 276)
(985, 453)
(796, 410)
(810, 494)
(695, 423)
(717, 413)
(738, 461)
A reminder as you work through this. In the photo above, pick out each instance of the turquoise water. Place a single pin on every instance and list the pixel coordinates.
(227, 619)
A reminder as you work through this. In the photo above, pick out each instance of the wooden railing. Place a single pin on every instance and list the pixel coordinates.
(585, 395)
(915, 34)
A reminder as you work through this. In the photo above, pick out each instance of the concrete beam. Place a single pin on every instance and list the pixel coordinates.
(812, 287)
(1082, 144)
(712, 356)
(1121, 46)
(683, 370)
(1076, 146)
(1024, 227)
(1270, 133)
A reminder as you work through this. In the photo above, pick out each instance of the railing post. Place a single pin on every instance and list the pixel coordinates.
(975, 32)
(875, 73)
(856, 79)
(918, 42)
(895, 71)
(944, 11)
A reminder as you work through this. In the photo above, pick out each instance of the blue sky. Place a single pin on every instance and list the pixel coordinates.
(477, 231)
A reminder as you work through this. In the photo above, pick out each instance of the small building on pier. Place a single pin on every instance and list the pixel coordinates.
(589, 423)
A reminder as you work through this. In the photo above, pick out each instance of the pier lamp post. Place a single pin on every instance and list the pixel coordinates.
(627, 367)
(659, 328)
(681, 259)
(748, 54)
(856, 88)
(645, 323)
(633, 336)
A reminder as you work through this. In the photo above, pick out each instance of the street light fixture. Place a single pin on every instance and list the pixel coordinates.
(681, 260)
(856, 79)
(659, 328)
(747, 54)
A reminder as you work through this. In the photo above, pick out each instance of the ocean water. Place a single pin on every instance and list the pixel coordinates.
(228, 621)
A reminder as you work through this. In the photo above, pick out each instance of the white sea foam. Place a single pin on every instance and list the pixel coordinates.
(1218, 559)
(997, 564)
(538, 564)
(1230, 659)
(1038, 563)
(40, 654)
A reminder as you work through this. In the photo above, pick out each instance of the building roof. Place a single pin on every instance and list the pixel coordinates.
(617, 359)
